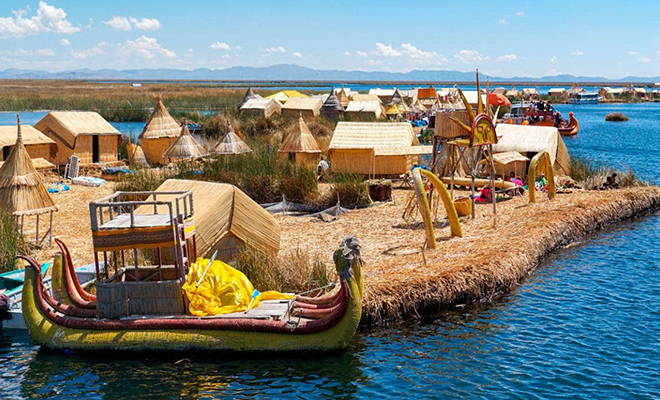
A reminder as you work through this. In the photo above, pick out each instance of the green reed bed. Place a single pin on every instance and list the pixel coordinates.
(12, 243)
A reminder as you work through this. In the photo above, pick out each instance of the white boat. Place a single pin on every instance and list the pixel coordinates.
(86, 275)
(584, 98)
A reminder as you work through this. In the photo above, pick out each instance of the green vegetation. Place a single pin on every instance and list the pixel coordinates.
(591, 175)
(350, 189)
(297, 271)
(12, 243)
(616, 117)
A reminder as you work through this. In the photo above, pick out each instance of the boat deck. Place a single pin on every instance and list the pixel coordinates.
(139, 221)
(267, 310)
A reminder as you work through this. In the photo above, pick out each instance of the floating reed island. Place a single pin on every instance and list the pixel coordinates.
(403, 282)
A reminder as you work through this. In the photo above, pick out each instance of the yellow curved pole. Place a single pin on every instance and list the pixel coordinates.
(424, 209)
(452, 215)
(543, 159)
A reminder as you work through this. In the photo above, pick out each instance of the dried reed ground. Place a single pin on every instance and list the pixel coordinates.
(398, 285)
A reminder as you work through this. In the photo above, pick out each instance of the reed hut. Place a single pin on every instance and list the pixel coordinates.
(343, 97)
(508, 162)
(397, 97)
(264, 108)
(284, 95)
(365, 97)
(36, 143)
(186, 147)
(428, 97)
(22, 190)
(513, 92)
(500, 90)
(375, 148)
(159, 133)
(136, 157)
(365, 109)
(226, 219)
(230, 144)
(249, 95)
(558, 92)
(385, 95)
(307, 107)
(84, 134)
(300, 146)
(529, 140)
(332, 108)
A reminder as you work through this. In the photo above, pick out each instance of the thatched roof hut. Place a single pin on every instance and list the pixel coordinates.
(136, 157)
(159, 133)
(343, 97)
(397, 97)
(249, 95)
(332, 108)
(360, 109)
(374, 148)
(300, 146)
(284, 95)
(385, 95)
(226, 219)
(84, 134)
(529, 140)
(36, 143)
(230, 144)
(306, 106)
(265, 108)
(185, 147)
(22, 190)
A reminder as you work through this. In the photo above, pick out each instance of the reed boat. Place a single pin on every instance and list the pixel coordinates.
(540, 113)
(72, 319)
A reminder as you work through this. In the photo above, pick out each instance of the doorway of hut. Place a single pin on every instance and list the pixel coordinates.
(5, 152)
(95, 149)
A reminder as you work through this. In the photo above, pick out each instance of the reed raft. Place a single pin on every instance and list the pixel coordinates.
(402, 282)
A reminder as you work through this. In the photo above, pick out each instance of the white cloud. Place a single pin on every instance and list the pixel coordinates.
(128, 23)
(220, 46)
(347, 53)
(146, 24)
(24, 52)
(467, 56)
(644, 59)
(83, 54)
(553, 60)
(577, 53)
(520, 14)
(65, 42)
(119, 23)
(387, 50)
(633, 53)
(278, 49)
(361, 54)
(297, 54)
(507, 57)
(238, 47)
(48, 20)
(44, 52)
(501, 21)
(146, 47)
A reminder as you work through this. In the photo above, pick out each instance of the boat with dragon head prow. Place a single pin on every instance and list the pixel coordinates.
(202, 306)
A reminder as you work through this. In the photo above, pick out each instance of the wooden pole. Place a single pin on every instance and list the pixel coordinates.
(50, 231)
(36, 239)
(492, 178)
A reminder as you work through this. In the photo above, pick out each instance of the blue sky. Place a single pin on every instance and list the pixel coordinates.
(535, 38)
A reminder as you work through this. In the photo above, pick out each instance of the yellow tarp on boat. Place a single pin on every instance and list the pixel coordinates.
(223, 290)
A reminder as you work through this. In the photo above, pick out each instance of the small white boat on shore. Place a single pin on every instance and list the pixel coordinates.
(584, 98)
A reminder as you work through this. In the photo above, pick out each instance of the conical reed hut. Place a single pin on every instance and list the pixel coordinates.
(185, 147)
(300, 146)
(230, 144)
(136, 157)
(343, 97)
(158, 135)
(249, 95)
(332, 108)
(22, 190)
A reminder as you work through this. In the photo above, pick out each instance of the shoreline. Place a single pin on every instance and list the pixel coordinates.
(414, 298)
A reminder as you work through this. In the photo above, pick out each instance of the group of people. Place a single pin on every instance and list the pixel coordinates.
(610, 183)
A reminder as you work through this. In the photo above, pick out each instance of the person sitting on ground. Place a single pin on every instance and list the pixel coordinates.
(610, 183)
(485, 196)
(512, 177)
(518, 181)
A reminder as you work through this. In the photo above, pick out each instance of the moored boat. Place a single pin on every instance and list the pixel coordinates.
(156, 308)
(541, 113)
(583, 98)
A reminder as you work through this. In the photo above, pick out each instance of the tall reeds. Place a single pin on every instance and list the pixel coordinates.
(592, 175)
(12, 243)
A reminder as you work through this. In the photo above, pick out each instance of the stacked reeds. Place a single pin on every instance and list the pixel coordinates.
(230, 144)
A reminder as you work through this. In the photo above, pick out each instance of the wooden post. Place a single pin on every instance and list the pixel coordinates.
(492, 178)
(452, 172)
(36, 239)
(50, 231)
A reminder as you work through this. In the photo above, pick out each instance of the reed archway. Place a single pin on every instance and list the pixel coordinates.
(541, 164)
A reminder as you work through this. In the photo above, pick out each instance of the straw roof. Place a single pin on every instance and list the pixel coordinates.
(136, 157)
(365, 97)
(224, 213)
(39, 164)
(249, 94)
(509, 157)
(186, 146)
(303, 104)
(30, 136)
(160, 124)
(403, 150)
(68, 125)
(300, 140)
(230, 144)
(332, 104)
(397, 97)
(533, 139)
(500, 90)
(372, 135)
(22, 190)
(343, 97)
(284, 95)
(373, 106)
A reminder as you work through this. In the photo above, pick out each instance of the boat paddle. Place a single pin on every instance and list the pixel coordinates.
(201, 278)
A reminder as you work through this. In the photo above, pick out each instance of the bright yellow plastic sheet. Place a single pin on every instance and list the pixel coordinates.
(223, 290)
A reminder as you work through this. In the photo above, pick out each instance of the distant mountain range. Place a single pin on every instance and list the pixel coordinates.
(291, 72)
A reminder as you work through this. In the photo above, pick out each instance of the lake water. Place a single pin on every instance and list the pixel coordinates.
(585, 324)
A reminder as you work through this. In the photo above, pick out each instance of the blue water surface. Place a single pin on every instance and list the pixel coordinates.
(585, 324)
